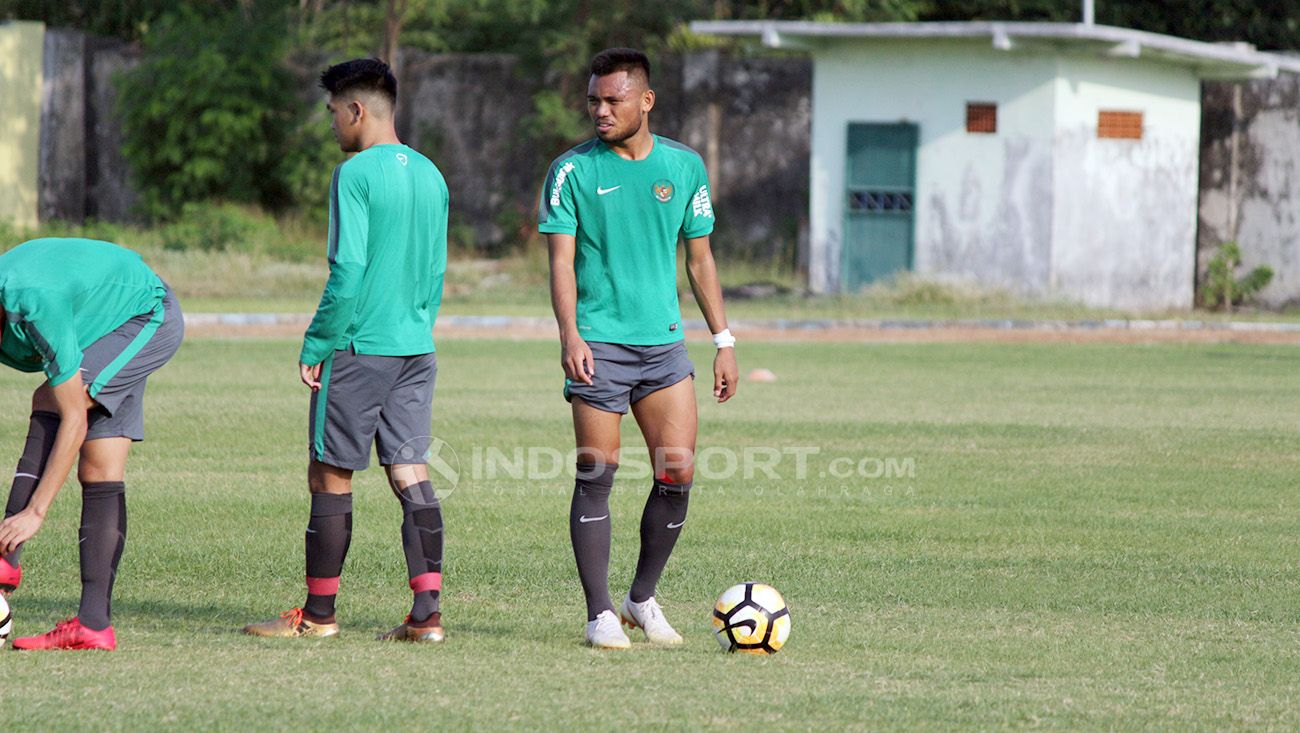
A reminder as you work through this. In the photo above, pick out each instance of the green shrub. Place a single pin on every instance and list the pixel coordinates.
(210, 110)
(1222, 289)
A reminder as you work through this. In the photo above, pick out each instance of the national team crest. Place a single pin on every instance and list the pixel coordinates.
(663, 190)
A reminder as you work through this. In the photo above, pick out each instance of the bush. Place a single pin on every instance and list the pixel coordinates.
(212, 119)
(1222, 289)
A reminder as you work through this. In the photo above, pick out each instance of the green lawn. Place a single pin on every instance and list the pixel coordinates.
(1093, 537)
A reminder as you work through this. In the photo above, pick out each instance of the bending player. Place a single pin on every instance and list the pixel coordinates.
(97, 321)
(368, 355)
(612, 210)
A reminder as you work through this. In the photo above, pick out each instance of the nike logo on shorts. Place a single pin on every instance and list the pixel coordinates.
(675, 526)
(602, 191)
(585, 519)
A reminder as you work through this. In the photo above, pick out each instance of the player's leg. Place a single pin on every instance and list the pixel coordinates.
(115, 369)
(422, 545)
(403, 444)
(597, 435)
(342, 417)
(101, 471)
(667, 418)
(42, 427)
(327, 539)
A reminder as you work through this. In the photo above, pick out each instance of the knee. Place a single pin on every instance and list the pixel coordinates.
(89, 472)
(595, 478)
(326, 479)
(676, 467)
(43, 400)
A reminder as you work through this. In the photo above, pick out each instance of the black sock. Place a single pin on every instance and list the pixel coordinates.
(41, 430)
(589, 529)
(422, 544)
(103, 535)
(329, 532)
(661, 523)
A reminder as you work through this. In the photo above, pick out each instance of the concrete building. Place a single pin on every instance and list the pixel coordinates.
(21, 56)
(1055, 160)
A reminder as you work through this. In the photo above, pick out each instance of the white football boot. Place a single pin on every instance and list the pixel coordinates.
(649, 617)
(606, 633)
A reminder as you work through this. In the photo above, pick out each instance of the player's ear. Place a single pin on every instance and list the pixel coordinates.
(357, 110)
(648, 100)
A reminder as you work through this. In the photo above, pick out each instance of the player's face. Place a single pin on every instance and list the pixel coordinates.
(618, 104)
(345, 123)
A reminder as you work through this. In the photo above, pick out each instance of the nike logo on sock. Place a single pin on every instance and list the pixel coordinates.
(603, 191)
(312, 531)
(585, 519)
(675, 526)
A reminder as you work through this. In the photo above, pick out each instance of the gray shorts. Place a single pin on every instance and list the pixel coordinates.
(116, 366)
(364, 399)
(625, 374)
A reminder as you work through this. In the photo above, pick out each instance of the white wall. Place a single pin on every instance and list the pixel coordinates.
(1041, 207)
(1124, 223)
(979, 213)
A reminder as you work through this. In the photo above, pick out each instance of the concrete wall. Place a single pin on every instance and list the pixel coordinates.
(1250, 179)
(21, 58)
(63, 127)
(468, 113)
(1042, 207)
(1124, 217)
(982, 210)
(750, 118)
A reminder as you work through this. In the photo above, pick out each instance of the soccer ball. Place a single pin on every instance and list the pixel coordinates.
(752, 618)
(6, 621)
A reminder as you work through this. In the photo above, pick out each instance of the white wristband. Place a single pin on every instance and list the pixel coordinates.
(724, 339)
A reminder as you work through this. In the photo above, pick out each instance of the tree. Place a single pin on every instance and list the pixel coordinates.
(210, 121)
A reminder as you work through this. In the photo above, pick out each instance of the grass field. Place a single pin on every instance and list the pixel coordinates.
(1093, 537)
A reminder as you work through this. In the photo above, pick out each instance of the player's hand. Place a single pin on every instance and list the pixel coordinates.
(18, 529)
(310, 376)
(726, 374)
(577, 360)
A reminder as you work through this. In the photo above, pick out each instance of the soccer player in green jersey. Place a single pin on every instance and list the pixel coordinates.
(368, 355)
(97, 322)
(612, 210)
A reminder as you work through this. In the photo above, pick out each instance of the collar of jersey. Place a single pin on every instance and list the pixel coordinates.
(609, 150)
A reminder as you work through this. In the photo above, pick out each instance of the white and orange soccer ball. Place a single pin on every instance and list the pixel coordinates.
(751, 618)
(6, 621)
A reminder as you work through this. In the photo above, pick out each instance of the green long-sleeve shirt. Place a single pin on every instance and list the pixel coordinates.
(387, 255)
(62, 295)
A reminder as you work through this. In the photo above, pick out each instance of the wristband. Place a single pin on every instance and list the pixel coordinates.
(724, 339)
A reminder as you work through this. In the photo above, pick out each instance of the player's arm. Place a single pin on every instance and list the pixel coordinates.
(349, 231)
(579, 365)
(703, 274)
(71, 402)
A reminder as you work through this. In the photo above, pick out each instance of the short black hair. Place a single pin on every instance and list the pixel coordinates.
(360, 75)
(612, 60)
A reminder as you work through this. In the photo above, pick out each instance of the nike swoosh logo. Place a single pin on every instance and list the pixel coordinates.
(675, 526)
(603, 191)
(585, 519)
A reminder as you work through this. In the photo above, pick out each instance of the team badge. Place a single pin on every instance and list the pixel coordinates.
(663, 190)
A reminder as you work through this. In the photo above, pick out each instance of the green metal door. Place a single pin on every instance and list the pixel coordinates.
(880, 181)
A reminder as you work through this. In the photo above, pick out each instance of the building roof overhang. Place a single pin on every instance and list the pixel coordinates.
(1207, 60)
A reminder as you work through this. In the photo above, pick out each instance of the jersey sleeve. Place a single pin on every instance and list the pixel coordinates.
(698, 220)
(47, 321)
(348, 236)
(558, 211)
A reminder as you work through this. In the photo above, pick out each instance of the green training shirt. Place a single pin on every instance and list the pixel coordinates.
(62, 295)
(387, 255)
(626, 216)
